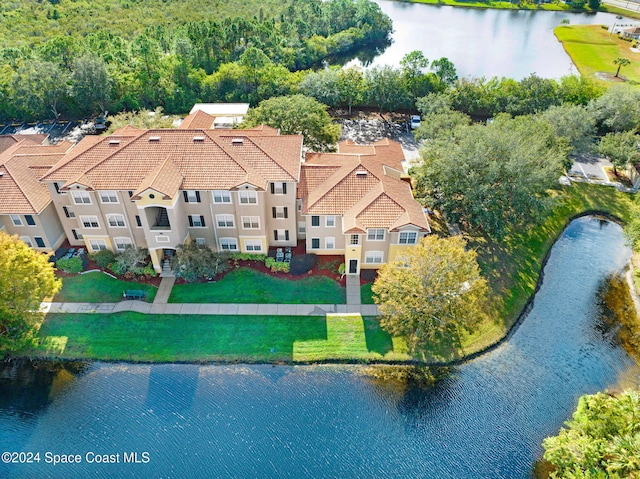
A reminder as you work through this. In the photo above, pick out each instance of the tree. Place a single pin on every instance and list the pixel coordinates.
(40, 86)
(91, 84)
(386, 89)
(445, 70)
(621, 62)
(26, 278)
(494, 177)
(297, 114)
(441, 125)
(431, 294)
(416, 82)
(199, 261)
(575, 123)
(618, 108)
(323, 85)
(620, 148)
(594, 4)
(144, 119)
(351, 85)
(602, 439)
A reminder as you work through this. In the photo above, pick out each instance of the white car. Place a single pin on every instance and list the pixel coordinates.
(415, 122)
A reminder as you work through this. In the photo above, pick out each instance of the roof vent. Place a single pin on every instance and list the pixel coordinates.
(198, 138)
(154, 138)
(236, 141)
(114, 142)
(361, 173)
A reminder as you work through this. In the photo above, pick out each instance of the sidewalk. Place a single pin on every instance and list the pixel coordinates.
(212, 308)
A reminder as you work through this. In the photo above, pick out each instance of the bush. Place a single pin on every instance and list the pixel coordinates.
(248, 257)
(301, 263)
(200, 262)
(131, 260)
(70, 265)
(276, 266)
(103, 257)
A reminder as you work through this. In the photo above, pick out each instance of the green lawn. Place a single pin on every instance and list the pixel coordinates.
(97, 287)
(593, 49)
(366, 296)
(245, 285)
(133, 336)
(559, 6)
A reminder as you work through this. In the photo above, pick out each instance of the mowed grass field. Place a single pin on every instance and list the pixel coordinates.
(593, 49)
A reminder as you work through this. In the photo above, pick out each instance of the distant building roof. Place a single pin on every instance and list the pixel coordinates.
(221, 109)
(7, 141)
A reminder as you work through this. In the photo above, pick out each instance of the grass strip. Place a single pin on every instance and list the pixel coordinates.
(559, 6)
(245, 285)
(131, 336)
(97, 287)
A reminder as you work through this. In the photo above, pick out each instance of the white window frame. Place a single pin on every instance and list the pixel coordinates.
(374, 257)
(280, 212)
(228, 242)
(222, 221)
(81, 197)
(109, 196)
(374, 233)
(27, 241)
(90, 219)
(116, 218)
(197, 221)
(248, 197)
(278, 188)
(408, 235)
(192, 196)
(122, 242)
(329, 242)
(282, 235)
(248, 222)
(200, 241)
(253, 245)
(17, 221)
(330, 221)
(222, 197)
(97, 244)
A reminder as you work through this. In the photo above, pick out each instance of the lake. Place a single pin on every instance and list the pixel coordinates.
(486, 419)
(484, 42)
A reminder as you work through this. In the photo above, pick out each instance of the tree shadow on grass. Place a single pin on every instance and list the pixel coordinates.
(378, 340)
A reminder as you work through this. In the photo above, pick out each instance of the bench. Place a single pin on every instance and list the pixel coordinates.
(133, 294)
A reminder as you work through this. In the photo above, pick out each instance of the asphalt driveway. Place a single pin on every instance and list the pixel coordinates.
(590, 167)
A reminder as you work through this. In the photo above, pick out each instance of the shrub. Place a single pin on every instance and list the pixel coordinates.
(301, 263)
(70, 265)
(248, 257)
(276, 266)
(330, 266)
(199, 261)
(131, 260)
(103, 257)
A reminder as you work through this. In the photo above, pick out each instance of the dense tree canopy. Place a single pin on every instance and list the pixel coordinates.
(297, 114)
(26, 278)
(620, 148)
(618, 109)
(431, 294)
(602, 440)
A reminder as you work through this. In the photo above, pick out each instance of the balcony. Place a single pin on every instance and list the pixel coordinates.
(158, 218)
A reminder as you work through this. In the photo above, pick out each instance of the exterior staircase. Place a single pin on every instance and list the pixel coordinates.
(167, 270)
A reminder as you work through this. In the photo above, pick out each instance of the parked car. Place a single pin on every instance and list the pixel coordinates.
(415, 122)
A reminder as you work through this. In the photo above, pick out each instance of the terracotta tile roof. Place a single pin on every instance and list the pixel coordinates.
(21, 166)
(7, 141)
(206, 159)
(164, 178)
(365, 188)
(197, 119)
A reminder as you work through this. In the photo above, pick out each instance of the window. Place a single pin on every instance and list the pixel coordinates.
(68, 212)
(253, 245)
(408, 237)
(281, 235)
(200, 241)
(329, 242)
(89, 221)
(302, 227)
(27, 241)
(354, 240)
(29, 219)
(228, 244)
(248, 197)
(76, 235)
(39, 241)
(138, 221)
(17, 221)
(299, 205)
(191, 196)
(373, 257)
(122, 243)
(280, 212)
(97, 244)
(196, 221)
(224, 221)
(221, 196)
(375, 234)
(315, 243)
(330, 221)
(116, 221)
(278, 188)
(130, 193)
(251, 222)
(56, 185)
(315, 221)
(108, 196)
(81, 197)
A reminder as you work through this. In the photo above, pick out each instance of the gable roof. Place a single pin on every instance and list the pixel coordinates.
(21, 165)
(7, 141)
(205, 159)
(363, 184)
(197, 119)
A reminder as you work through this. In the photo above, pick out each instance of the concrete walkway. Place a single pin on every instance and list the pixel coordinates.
(353, 289)
(164, 290)
(212, 308)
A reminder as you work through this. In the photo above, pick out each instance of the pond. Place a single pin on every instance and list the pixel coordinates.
(486, 419)
(483, 42)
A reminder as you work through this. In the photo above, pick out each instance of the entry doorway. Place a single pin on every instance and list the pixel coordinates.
(353, 266)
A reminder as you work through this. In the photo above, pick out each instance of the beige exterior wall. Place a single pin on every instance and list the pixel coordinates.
(273, 198)
(47, 228)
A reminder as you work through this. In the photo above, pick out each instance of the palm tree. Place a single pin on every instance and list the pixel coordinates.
(621, 62)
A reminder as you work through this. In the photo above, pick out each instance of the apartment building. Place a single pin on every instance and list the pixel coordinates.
(26, 208)
(234, 190)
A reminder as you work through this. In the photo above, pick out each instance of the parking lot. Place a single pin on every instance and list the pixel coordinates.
(57, 130)
(590, 167)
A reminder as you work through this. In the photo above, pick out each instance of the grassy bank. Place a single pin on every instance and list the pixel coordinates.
(593, 49)
(245, 285)
(97, 287)
(558, 6)
(138, 337)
